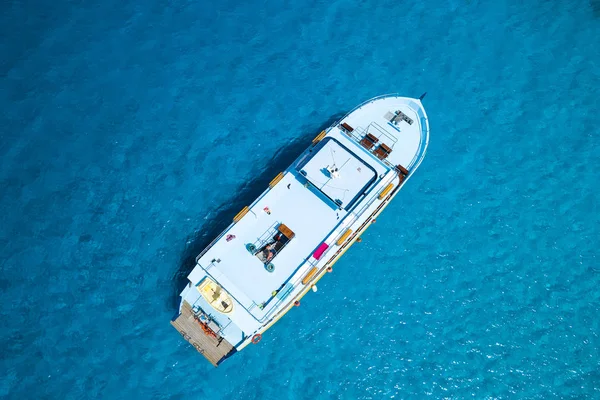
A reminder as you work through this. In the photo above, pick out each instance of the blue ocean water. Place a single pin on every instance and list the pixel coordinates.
(131, 132)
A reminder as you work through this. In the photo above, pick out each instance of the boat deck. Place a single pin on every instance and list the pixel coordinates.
(215, 349)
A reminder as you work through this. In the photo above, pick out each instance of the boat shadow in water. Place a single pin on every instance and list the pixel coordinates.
(223, 216)
(595, 6)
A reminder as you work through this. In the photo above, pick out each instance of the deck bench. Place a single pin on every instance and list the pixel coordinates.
(382, 151)
(347, 127)
(402, 170)
(369, 141)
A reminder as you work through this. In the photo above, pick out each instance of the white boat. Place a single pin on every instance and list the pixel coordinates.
(278, 247)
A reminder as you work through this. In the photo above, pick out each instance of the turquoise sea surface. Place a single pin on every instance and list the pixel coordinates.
(133, 131)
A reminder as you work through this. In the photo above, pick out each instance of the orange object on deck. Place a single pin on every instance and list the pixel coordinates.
(309, 275)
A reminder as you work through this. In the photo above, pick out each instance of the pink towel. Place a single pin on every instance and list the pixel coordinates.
(320, 250)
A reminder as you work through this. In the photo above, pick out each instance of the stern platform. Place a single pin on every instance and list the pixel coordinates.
(212, 346)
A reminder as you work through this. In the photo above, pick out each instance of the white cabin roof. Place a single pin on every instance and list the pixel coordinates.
(350, 176)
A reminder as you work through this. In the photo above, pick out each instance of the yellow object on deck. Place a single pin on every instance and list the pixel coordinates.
(309, 275)
(287, 232)
(276, 180)
(241, 214)
(319, 137)
(385, 191)
(215, 296)
(343, 238)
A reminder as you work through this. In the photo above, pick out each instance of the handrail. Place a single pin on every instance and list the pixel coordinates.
(383, 96)
(423, 145)
(383, 132)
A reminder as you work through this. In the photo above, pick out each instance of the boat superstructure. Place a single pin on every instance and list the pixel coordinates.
(278, 247)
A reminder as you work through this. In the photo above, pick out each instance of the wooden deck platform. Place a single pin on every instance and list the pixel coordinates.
(214, 349)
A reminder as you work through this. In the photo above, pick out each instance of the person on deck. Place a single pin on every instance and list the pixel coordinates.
(270, 249)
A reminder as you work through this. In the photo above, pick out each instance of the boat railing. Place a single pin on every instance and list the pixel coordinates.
(199, 256)
(358, 133)
(367, 102)
(424, 138)
(384, 132)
